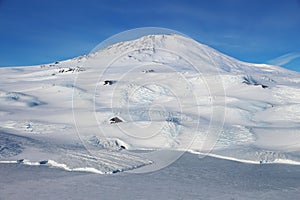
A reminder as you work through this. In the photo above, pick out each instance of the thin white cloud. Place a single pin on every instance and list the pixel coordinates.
(284, 59)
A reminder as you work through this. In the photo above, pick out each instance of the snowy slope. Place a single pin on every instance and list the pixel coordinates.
(172, 95)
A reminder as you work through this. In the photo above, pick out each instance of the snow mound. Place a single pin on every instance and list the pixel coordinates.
(108, 143)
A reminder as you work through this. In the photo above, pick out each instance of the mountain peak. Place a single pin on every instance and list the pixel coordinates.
(172, 49)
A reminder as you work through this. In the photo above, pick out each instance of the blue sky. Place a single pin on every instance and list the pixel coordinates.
(43, 31)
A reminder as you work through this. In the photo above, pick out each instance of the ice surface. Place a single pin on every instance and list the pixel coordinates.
(187, 178)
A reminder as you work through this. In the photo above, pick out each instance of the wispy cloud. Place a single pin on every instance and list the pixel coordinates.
(284, 59)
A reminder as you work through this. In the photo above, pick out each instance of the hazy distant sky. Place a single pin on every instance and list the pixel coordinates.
(43, 31)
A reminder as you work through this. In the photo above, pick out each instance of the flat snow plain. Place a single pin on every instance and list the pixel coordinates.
(187, 178)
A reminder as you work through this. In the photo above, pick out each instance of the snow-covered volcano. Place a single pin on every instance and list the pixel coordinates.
(101, 112)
